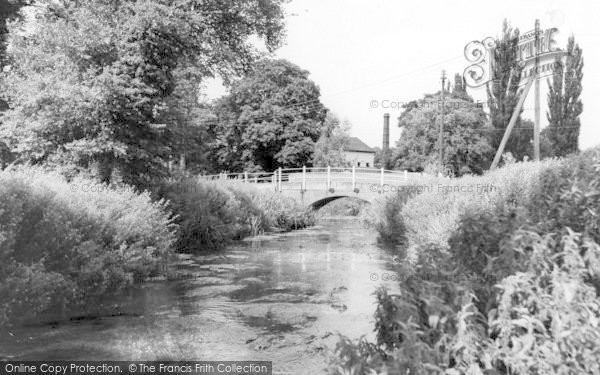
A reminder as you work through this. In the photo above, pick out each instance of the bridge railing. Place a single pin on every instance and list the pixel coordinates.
(325, 178)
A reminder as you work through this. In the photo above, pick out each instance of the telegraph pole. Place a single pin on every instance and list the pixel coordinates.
(441, 139)
(536, 128)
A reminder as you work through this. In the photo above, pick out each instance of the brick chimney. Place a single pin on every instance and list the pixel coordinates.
(386, 141)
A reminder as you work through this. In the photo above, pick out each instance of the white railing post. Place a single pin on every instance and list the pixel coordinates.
(405, 175)
(328, 177)
(279, 179)
(256, 179)
(245, 177)
(382, 172)
(353, 178)
(304, 177)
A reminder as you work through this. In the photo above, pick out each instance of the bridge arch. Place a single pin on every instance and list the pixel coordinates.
(316, 205)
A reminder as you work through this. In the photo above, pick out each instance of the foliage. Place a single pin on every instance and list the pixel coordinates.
(504, 93)
(466, 149)
(89, 80)
(210, 215)
(271, 118)
(66, 243)
(329, 148)
(547, 320)
(390, 223)
(569, 196)
(203, 217)
(564, 102)
(513, 289)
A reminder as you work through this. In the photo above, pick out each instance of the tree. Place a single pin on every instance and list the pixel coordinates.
(466, 148)
(460, 87)
(329, 149)
(564, 103)
(8, 11)
(271, 118)
(504, 93)
(91, 81)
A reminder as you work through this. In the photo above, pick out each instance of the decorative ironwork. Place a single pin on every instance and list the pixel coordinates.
(478, 53)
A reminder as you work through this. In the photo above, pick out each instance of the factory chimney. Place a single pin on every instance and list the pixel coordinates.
(386, 141)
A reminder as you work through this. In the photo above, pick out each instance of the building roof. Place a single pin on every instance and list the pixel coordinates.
(356, 145)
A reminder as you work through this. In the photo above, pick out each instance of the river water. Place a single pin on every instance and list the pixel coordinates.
(282, 298)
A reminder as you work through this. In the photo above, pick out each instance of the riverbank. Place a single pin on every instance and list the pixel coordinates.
(497, 283)
(282, 298)
(69, 244)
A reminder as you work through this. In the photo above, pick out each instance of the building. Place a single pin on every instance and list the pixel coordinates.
(358, 154)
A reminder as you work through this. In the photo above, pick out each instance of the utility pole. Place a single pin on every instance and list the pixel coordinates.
(536, 129)
(441, 139)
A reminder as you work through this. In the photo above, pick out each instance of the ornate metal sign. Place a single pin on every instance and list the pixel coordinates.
(479, 54)
(548, 55)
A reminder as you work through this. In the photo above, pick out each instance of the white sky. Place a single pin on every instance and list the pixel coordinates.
(358, 51)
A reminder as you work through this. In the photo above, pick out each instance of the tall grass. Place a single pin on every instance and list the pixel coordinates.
(510, 284)
(64, 243)
(432, 214)
(211, 215)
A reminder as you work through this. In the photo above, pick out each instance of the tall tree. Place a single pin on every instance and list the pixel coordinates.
(271, 118)
(564, 103)
(329, 149)
(466, 148)
(459, 89)
(91, 80)
(503, 94)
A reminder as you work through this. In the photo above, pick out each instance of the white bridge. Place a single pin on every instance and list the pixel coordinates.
(318, 186)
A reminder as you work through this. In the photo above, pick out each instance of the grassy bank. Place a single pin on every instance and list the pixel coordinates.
(211, 215)
(63, 244)
(504, 282)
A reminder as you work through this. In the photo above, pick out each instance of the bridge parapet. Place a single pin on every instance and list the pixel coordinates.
(324, 184)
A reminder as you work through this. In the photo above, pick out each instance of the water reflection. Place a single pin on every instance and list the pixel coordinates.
(280, 298)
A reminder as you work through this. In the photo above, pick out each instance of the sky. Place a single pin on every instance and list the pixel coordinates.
(368, 55)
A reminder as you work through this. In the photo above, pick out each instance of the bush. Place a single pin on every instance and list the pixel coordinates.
(433, 215)
(62, 243)
(203, 212)
(212, 214)
(389, 221)
(507, 287)
(548, 318)
(569, 196)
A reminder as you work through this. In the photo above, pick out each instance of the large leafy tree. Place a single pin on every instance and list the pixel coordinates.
(329, 149)
(503, 95)
(9, 10)
(564, 103)
(91, 81)
(271, 118)
(466, 148)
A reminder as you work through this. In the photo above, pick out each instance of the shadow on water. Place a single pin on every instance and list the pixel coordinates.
(278, 298)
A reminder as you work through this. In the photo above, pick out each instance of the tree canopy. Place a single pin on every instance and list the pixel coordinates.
(564, 103)
(329, 149)
(90, 82)
(466, 148)
(271, 118)
(503, 95)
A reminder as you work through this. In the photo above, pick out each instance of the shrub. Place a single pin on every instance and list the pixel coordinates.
(569, 196)
(548, 318)
(62, 243)
(203, 212)
(508, 286)
(390, 223)
(212, 214)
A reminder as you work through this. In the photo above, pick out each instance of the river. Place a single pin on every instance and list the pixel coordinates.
(282, 298)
